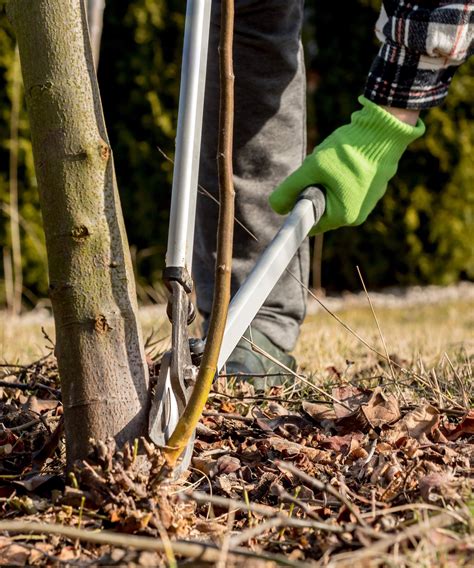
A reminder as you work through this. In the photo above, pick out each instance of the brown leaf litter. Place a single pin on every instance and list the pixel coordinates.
(307, 481)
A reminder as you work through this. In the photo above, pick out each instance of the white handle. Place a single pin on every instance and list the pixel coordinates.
(188, 139)
(270, 266)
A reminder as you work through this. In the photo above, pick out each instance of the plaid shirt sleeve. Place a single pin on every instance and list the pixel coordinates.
(423, 43)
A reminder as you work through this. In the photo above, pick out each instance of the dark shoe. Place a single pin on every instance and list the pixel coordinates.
(249, 364)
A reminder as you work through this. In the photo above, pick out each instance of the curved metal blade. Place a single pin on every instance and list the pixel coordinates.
(164, 413)
(166, 409)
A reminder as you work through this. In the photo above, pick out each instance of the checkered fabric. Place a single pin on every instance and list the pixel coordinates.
(424, 43)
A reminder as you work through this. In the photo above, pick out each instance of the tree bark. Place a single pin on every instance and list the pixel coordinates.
(104, 377)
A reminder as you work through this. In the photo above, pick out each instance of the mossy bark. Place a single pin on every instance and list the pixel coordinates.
(100, 353)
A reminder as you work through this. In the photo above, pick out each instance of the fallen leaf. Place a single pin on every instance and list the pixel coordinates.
(465, 427)
(287, 425)
(136, 521)
(227, 407)
(343, 444)
(435, 486)
(211, 527)
(50, 445)
(318, 411)
(411, 448)
(267, 424)
(417, 424)
(67, 553)
(332, 369)
(117, 555)
(359, 453)
(9, 442)
(392, 472)
(351, 396)
(227, 464)
(39, 406)
(37, 554)
(377, 411)
(381, 409)
(224, 483)
(277, 409)
(77, 497)
(208, 466)
(149, 559)
(384, 448)
(114, 516)
(205, 431)
(292, 448)
(263, 485)
(4, 541)
(13, 554)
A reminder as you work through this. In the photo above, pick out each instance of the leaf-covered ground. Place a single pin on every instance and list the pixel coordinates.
(362, 463)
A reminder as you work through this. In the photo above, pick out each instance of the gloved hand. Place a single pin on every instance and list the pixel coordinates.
(354, 164)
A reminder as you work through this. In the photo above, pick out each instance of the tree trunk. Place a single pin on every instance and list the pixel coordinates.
(100, 353)
(95, 17)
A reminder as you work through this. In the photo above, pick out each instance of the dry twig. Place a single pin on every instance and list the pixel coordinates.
(195, 550)
(324, 487)
(264, 510)
(378, 548)
(225, 231)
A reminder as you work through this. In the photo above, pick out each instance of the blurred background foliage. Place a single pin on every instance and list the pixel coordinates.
(423, 229)
(422, 232)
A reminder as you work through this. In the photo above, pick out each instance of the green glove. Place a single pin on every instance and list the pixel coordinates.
(354, 164)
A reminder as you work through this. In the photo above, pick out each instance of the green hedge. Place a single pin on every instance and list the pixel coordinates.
(420, 233)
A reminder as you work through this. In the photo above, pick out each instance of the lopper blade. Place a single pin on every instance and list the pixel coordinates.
(165, 412)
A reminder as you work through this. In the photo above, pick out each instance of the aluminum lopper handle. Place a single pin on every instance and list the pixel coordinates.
(272, 263)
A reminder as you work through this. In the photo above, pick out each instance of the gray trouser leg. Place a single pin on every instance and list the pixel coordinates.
(269, 143)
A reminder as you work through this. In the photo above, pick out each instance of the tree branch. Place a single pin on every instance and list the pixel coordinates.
(323, 487)
(203, 552)
(225, 230)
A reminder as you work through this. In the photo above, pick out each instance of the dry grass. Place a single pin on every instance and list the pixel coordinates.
(424, 333)
(325, 504)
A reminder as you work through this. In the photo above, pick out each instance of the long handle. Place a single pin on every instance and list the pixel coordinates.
(270, 266)
(188, 141)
